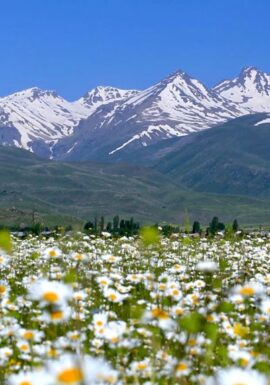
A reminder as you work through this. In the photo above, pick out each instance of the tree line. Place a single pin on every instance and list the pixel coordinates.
(129, 227)
(118, 226)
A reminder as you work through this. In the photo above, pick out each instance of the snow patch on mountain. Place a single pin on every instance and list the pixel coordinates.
(264, 121)
(115, 119)
(146, 136)
(44, 115)
(100, 95)
(39, 114)
(250, 90)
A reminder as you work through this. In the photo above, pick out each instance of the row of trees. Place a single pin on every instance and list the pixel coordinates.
(215, 226)
(117, 226)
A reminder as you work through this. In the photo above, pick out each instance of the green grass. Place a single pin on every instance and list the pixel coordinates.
(70, 193)
(232, 158)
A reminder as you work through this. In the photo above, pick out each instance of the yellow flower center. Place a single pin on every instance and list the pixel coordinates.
(181, 367)
(2, 289)
(56, 315)
(159, 313)
(195, 299)
(112, 297)
(28, 335)
(141, 366)
(244, 362)
(162, 286)
(70, 376)
(25, 383)
(52, 352)
(192, 342)
(24, 348)
(51, 296)
(240, 330)
(74, 337)
(247, 291)
(52, 253)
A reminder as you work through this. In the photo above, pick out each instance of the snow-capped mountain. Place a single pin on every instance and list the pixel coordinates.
(40, 117)
(175, 106)
(107, 122)
(39, 114)
(250, 90)
(184, 105)
(101, 95)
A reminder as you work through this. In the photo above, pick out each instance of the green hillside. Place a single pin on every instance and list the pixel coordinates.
(233, 158)
(72, 193)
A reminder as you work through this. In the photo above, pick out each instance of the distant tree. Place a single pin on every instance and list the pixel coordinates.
(102, 223)
(115, 223)
(221, 226)
(235, 225)
(89, 225)
(36, 228)
(168, 230)
(95, 225)
(213, 226)
(196, 228)
(67, 228)
(109, 227)
(122, 227)
(131, 226)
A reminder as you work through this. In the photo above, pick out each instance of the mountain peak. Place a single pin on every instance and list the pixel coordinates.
(32, 93)
(251, 89)
(176, 75)
(103, 94)
(248, 69)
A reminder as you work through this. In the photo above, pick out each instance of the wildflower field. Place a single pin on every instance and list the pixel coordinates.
(79, 310)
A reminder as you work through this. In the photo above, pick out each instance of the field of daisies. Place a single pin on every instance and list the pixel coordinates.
(83, 310)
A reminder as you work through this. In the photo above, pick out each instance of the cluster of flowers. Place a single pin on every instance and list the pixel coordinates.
(86, 310)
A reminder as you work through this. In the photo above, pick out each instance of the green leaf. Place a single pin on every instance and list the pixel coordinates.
(226, 307)
(217, 283)
(211, 331)
(5, 241)
(222, 355)
(186, 241)
(192, 322)
(150, 236)
(223, 264)
(71, 276)
(262, 367)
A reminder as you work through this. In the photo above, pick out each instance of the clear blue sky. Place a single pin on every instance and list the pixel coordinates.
(73, 45)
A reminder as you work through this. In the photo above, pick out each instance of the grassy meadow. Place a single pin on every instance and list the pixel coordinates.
(78, 309)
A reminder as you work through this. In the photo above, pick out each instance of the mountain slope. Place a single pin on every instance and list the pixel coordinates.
(232, 158)
(64, 193)
(250, 90)
(173, 107)
(39, 118)
(107, 123)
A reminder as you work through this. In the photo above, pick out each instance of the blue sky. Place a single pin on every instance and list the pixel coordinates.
(73, 45)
